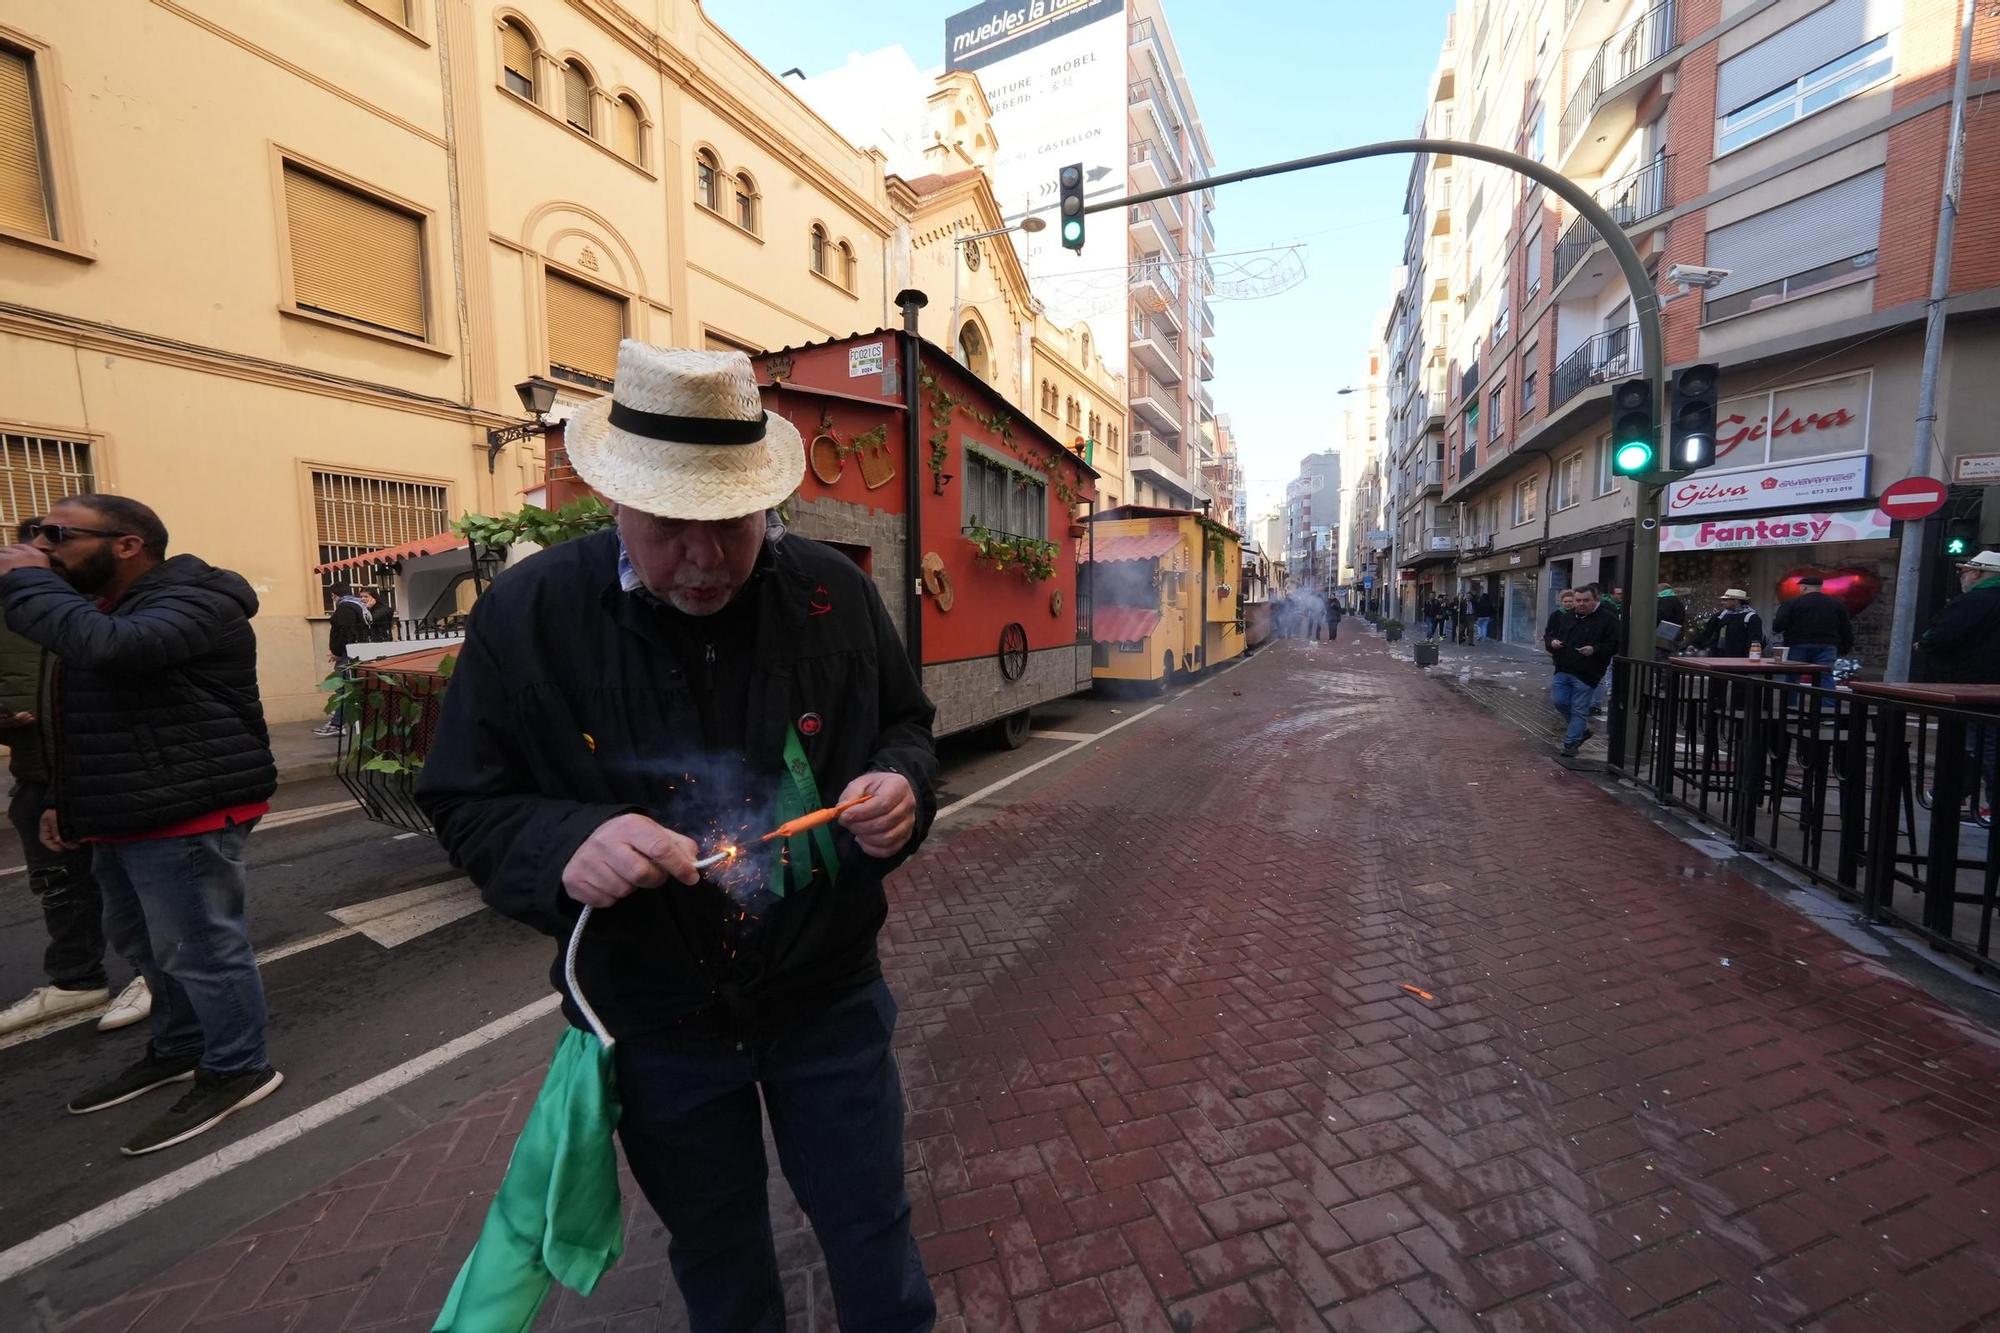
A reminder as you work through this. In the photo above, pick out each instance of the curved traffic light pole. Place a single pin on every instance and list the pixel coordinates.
(1645, 572)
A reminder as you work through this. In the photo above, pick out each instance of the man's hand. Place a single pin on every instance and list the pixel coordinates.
(51, 834)
(1585, 651)
(627, 853)
(15, 721)
(22, 557)
(885, 823)
(1557, 643)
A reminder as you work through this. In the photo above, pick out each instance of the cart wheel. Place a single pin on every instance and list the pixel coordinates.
(1011, 731)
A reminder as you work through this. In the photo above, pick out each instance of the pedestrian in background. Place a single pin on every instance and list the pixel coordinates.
(72, 911)
(162, 762)
(353, 622)
(1731, 631)
(1333, 614)
(1815, 627)
(1482, 616)
(1610, 668)
(1962, 647)
(1565, 607)
(1468, 615)
(1669, 620)
(1583, 650)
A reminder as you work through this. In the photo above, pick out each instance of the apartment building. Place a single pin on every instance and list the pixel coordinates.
(1794, 148)
(282, 281)
(1311, 548)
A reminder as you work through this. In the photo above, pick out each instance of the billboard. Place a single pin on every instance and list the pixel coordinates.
(1054, 74)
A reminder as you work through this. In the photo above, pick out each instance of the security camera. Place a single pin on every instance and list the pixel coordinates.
(1695, 275)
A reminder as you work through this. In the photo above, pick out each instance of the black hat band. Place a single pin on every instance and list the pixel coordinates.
(686, 430)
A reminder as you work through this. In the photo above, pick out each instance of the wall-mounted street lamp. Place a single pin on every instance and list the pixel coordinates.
(537, 397)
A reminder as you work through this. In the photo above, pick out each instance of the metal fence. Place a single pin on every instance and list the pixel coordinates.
(1887, 802)
(1599, 359)
(391, 723)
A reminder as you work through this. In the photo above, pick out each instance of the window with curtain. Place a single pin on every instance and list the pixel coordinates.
(585, 325)
(38, 470)
(707, 180)
(517, 60)
(746, 202)
(1004, 499)
(579, 98)
(354, 513)
(24, 174)
(819, 250)
(1826, 57)
(1789, 250)
(628, 131)
(355, 256)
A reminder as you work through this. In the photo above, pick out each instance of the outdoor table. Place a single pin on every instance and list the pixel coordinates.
(1981, 698)
(1752, 666)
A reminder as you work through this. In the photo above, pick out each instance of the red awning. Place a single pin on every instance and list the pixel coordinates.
(389, 555)
(1122, 624)
(1137, 546)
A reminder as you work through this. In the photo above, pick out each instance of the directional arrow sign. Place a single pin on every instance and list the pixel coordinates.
(1097, 173)
(1913, 498)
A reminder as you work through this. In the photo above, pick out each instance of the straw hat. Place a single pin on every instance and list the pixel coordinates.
(1987, 560)
(684, 435)
(1735, 595)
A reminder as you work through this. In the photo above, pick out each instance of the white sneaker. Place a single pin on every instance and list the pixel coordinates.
(46, 1002)
(134, 1003)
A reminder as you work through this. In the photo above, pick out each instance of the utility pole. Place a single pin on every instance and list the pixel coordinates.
(1924, 457)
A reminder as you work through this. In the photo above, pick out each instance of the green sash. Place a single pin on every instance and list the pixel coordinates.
(798, 794)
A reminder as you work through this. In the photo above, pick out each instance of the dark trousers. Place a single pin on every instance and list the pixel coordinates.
(72, 909)
(695, 1142)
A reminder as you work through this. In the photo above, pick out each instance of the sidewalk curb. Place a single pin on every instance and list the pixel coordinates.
(305, 770)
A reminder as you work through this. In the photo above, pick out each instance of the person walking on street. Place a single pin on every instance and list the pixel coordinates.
(162, 765)
(1669, 620)
(1815, 627)
(1731, 631)
(695, 637)
(1333, 615)
(1962, 647)
(353, 622)
(1482, 616)
(1583, 648)
(72, 911)
(1565, 608)
(1468, 615)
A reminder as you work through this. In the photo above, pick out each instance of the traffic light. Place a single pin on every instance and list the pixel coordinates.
(1961, 538)
(1633, 453)
(1691, 437)
(1071, 182)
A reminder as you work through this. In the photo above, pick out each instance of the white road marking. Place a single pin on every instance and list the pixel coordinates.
(1061, 736)
(401, 917)
(133, 1204)
(990, 788)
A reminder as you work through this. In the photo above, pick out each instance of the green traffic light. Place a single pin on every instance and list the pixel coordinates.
(1073, 230)
(1957, 546)
(1632, 456)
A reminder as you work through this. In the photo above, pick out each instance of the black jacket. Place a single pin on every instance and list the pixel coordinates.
(350, 625)
(23, 689)
(1670, 611)
(156, 714)
(570, 704)
(1730, 633)
(1962, 645)
(1597, 631)
(1482, 606)
(1558, 619)
(1815, 618)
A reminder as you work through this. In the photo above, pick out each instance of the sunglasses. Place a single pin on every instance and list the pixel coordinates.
(58, 533)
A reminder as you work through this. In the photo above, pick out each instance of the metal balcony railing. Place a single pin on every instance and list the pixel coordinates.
(1149, 149)
(1468, 381)
(1145, 90)
(1624, 53)
(1161, 272)
(1610, 355)
(1630, 200)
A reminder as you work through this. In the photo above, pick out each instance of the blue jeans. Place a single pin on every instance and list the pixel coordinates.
(1825, 654)
(1572, 696)
(173, 908)
(695, 1142)
(1480, 627)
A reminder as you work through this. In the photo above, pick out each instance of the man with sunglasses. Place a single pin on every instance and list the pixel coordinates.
(162, 765)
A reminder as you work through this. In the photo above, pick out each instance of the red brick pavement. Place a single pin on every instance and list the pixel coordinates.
(1165, 1070)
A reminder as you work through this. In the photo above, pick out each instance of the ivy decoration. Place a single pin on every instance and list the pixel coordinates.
(532, 523)
(1030, 557)
(388, 738)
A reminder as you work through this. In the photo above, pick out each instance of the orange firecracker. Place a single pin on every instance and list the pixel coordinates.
(793, 827)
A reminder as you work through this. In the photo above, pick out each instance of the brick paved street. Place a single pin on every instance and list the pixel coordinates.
(1229, 1028)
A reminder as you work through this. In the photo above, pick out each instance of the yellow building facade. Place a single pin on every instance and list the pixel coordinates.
(276, 268)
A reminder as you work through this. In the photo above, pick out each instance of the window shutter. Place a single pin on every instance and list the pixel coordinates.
(516, 51)
(355, 257)
(396, 11)
(1835, 223)
(576, 97)
(626, 130)
(24, 199)
(585, 324)
(1801, 48)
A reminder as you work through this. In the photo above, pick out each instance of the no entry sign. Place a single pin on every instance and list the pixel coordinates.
(1913, 498)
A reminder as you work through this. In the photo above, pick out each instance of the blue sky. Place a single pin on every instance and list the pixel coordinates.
(1274, 79)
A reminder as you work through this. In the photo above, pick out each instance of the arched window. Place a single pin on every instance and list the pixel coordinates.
(707, 179)
(819, 257)
(1074, 414)
(1111, 440)
(579, 97)
(517, 59)
(972, 349)
(746, 202)
(629, 131)
(849, 271)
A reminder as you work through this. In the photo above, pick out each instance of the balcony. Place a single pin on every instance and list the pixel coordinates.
(1160, 461)
(1152, 115)
(1154, 167)
(1156, 347)
(1429, 545)
(1586, 23)
(1153, 228)
(1153, 403)
(1612, 84)
(1204, 319)
(1630, 200)
(1468, 381)
(1204, 400)
(1607, 356)
(1205, 363)
(1156, 282)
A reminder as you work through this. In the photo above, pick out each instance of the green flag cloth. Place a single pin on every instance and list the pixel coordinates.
(557, 1215)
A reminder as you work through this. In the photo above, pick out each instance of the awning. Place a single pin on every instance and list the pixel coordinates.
(1122, 624)
(1136, 546)
(389, 555)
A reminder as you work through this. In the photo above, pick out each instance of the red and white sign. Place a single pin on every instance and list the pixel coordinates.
(1817, 481)
(1809, 528)
(1814, 420)
(1913, 498)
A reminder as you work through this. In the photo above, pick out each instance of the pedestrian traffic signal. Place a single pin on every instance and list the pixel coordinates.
(1961, 538)
(1691, 437)
(1070, 181)
(1632, 434)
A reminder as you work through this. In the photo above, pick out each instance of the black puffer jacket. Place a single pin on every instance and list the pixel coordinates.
(157, 719)
(1962, 646)
(21, 691)
(575, 701)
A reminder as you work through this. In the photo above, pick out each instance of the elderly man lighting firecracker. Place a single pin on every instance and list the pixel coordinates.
(629, 705)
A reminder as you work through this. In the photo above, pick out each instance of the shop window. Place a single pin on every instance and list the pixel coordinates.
(354, 514)
(35, 472)
(1004, 499)
(355, 256)
(585, 326)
